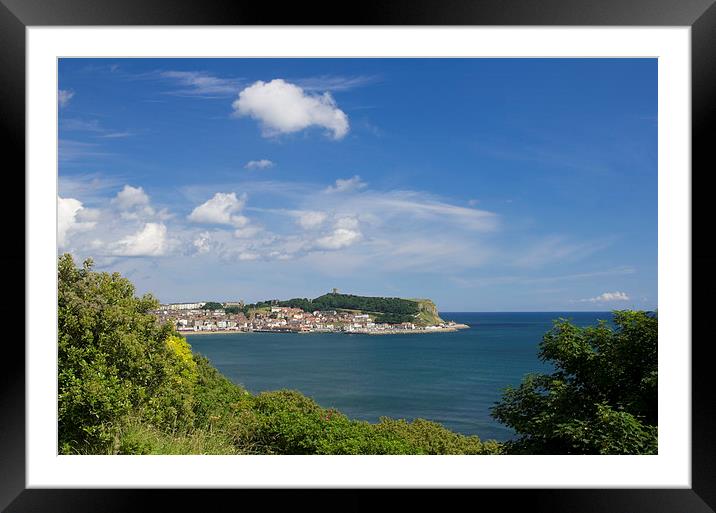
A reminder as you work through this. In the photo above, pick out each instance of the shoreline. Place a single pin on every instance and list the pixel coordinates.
(456, 327)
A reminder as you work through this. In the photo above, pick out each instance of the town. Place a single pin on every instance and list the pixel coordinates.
(209, 317)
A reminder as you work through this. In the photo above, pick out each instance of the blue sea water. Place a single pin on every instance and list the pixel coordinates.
(452, 378)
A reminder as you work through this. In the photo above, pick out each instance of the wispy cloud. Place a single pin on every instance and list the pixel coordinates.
(335, 82)
(92, 126)
(558, 249)
(201, 84)
(69, 150)
(89, 187)
(64, 96)
(540, 280)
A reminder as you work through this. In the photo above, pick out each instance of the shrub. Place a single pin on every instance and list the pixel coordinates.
(602, 398)
(114, 360)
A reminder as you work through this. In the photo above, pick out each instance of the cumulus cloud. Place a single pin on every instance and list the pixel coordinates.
(259, 164)
(607, 297)
(64, 96)
(131, 197)
(134, 204)
(281, 107)
(223, 208)
(346, 185)
(151, 240)
(69, 218)
(309, 219)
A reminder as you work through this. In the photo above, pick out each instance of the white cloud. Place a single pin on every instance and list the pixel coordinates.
(607, 297)
(201, 243)
(223, 208)
(151, 240)
(89, 215)
(282, 107)
(134, 204)
(346, 185)
(69, 216)
(309, 219)
(340, 238)
(64, 96)
(259, 164)
(130, 197)
(345, 233)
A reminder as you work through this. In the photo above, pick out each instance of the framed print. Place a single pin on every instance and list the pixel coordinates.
(289, 188)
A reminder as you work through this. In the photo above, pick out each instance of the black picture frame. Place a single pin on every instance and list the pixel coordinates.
(700, 15)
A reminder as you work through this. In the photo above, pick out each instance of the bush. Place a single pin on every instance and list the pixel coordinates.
(602, 398)
(114, 360)
(290, 423)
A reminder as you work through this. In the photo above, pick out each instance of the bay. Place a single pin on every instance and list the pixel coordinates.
(451, 378)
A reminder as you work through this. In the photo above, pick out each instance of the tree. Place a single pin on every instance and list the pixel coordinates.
(212, 305)
(115, 361)
(602, 397)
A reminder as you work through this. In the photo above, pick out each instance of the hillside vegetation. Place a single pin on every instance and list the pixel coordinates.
(384, 309)
(128, 385)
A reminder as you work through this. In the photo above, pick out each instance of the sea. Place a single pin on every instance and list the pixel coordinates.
(453, 378)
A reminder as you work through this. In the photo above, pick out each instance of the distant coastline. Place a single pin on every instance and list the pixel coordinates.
(330, 313)
(455, 327)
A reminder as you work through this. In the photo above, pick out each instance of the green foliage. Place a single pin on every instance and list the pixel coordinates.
(114, 360)
(290, 423)
(390, 309)
(232, 309)
(602, 397)
(388, 305)
(392, 318)
(428, 437)
(212, 305)
(136, 436)
(128, 385)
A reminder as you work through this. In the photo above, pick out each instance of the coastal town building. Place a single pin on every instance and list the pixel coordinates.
(283, 319)
(182, 306)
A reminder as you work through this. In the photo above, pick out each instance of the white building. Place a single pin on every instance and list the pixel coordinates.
(182, 306)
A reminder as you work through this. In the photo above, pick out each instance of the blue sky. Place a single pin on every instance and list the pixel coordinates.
(484, 184)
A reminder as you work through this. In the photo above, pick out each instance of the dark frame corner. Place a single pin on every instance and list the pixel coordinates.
(700, 15)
